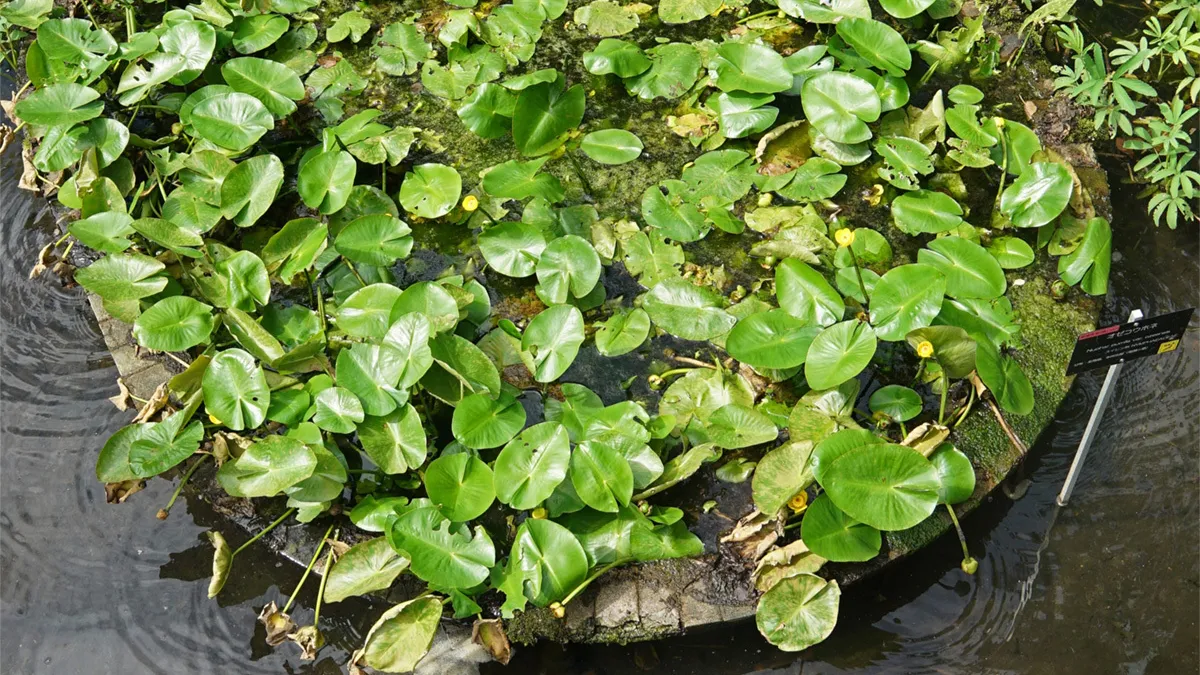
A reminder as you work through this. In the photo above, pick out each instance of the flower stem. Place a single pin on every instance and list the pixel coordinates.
(584, 584)
(270, 527)
(962, 539)
(304, 577)
(162, 515)
(942, 407)
(324, 578)
(858, 273)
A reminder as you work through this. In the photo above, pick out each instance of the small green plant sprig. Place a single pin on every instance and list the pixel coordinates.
(1170, 52)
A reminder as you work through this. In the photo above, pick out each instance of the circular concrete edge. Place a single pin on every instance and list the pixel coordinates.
(654, 600)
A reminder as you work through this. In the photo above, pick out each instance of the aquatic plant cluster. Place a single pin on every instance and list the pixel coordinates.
(242, 216)
(1171, 52)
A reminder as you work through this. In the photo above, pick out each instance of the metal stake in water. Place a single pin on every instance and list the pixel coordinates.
(1093, 425)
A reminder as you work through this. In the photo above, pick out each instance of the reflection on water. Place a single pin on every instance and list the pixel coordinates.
(89, 588)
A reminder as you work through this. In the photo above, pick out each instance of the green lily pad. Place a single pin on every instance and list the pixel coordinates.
(925, 211)
(174, 324)
(544, 114)
(905, 298)
(267, 467)
(235, 390)
(481, 422)
(897, 402)
(889, 487)
(798, 612)
(955, 473)
(442, 553)
(611, 146)
(1038, 195)
(1089, 264)
(461, 486)
(780, 475)
(840, 105)
(552, 340)
(831, 534)
(372, 565)
(771, 339)
(687, 311)
(430, 190)
(396, 441)
(601, 476)
(531, 465)
(839, 353)
(623, 332)
(969, 270)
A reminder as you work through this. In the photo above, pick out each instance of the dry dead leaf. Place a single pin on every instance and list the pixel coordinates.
(490, 634)
(277, 623)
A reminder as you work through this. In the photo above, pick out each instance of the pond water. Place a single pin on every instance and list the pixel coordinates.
(1110, 584)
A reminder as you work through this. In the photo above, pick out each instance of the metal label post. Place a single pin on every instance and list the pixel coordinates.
(1093, 425)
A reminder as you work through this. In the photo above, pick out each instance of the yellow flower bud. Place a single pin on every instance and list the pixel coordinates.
(539, 513)
(970, 565)
(558, 610)
(470, 203)
(844, 236)
(799, 502)
(213, 419)
(925, 349)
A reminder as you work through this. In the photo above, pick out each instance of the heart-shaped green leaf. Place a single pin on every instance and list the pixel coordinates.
(831, 534)
(234, 121)
(886, 486)
(174, 324)
(235, 390)
(544, 114)
(481, 422)
(798, 612)
(925, 211)
(839, 353)
(969, 270)
(601, 476)
(430, 190)
(396, 441)
(267, 467)
(531, 465)
(623, 332)
(369, 566)
(552, 340)
(1038, 195)
(804, 293)
(905, 298)
(461, 486)
(688, 311)
(440, 552)
(611, 146)
(771, 339)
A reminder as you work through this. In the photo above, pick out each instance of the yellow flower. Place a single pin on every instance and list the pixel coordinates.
(213, 419)
(470, 203)
(799, 502)
(844, 236)
(925, 349)
(558, 610)
(539, 513)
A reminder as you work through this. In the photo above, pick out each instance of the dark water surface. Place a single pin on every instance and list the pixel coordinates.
(1110, 584)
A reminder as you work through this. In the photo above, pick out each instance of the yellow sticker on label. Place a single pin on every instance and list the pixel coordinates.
(1168, 346)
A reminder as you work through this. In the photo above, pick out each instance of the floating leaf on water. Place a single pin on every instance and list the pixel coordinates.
(401, 636)
(798, 612)
(222, 563)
